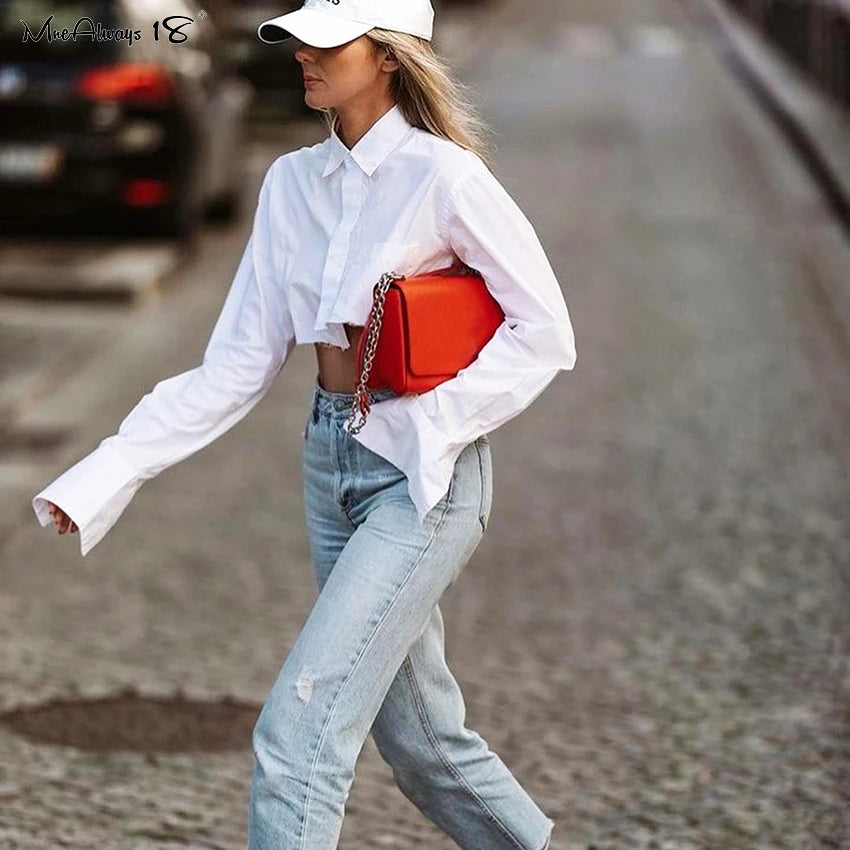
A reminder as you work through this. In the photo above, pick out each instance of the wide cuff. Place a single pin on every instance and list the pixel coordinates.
(93, 493)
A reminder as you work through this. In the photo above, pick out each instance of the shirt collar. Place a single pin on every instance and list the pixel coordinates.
(373, 146)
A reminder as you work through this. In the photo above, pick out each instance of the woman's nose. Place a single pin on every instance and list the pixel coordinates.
(303, 52)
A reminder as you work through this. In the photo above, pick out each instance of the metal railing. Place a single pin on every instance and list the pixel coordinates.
(814, 34)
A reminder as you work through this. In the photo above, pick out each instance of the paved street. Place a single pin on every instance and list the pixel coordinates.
(653, 634)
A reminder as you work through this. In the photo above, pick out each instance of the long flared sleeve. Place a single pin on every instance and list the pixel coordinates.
(249, 345)
(488, 232)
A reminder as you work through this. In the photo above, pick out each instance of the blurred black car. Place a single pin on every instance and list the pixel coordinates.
(142, 120)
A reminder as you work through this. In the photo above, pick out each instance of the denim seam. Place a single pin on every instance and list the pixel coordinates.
(338, 477)
(448, 764)
(354, 462)
(343, 509)
(357, 660)
(482, 485)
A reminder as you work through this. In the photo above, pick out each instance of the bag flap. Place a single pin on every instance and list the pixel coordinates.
(451, 321)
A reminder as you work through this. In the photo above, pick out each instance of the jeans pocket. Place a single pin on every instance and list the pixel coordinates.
(485, 462)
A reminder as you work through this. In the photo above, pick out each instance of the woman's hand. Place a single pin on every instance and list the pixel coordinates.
(62, 520)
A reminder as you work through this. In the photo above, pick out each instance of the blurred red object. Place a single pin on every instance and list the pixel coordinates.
(141, 82)
(145, 192)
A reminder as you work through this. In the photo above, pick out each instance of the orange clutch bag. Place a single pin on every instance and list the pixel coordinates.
(421, 331)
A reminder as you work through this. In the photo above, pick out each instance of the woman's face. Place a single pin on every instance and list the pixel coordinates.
(351, 70)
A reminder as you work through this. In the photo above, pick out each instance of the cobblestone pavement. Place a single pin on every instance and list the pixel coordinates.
(654, 632)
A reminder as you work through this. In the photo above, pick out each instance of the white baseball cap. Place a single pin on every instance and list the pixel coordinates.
(329, 23)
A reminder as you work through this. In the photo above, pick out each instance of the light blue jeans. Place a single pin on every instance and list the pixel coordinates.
(370, 657)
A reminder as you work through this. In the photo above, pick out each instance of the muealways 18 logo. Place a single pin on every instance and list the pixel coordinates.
(85, 27)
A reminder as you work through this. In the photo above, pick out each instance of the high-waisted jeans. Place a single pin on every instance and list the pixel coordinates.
(370, 657)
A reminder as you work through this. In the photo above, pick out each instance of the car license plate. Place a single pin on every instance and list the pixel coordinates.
(30, 162)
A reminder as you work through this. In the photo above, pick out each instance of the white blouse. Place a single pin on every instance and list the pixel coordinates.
(328, 222)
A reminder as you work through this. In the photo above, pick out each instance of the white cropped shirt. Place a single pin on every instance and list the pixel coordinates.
(329, 220)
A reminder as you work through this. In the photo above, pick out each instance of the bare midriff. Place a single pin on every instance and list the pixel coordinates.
(338, 366)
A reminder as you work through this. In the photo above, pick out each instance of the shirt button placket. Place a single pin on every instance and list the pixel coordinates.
(338, 248)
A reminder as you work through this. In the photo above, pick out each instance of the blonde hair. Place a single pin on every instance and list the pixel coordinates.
(429, 95)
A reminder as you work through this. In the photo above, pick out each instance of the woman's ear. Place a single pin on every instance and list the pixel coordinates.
(390, 61)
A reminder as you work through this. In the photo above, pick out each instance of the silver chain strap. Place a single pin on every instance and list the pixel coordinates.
(361, 395)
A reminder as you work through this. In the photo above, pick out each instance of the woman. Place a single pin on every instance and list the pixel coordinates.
(395, 510)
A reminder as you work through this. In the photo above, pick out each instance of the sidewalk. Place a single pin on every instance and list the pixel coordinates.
(817, 129)
(814, 120)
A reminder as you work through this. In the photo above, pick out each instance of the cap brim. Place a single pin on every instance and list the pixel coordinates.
(313, 27)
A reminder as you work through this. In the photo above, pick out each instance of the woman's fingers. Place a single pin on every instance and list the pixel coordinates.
(61, 519)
